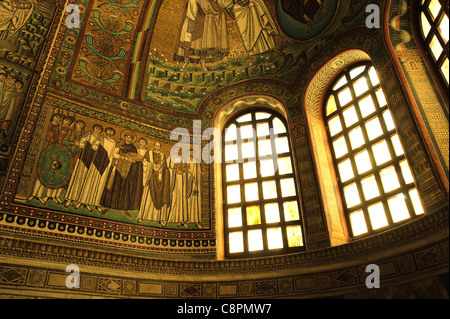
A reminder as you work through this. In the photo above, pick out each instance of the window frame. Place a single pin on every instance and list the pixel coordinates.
(259, 180)
(386, 135)
(423, 9)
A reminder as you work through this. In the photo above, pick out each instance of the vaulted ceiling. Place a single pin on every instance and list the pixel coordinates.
(132, 51)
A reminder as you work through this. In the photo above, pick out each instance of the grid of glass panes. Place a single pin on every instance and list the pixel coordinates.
(261, 207)
(435, 28)
(375, 180)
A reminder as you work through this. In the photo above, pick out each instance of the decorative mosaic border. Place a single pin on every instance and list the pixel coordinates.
(411, 265)
(112, 234)
(428, 228)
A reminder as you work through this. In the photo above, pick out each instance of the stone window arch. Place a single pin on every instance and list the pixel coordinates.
(374, 178)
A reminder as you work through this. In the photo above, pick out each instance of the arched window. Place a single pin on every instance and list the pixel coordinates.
(261, 207)
(374, 178)
(435, 28)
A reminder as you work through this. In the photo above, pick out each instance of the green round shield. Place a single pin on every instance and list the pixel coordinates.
(55, 166)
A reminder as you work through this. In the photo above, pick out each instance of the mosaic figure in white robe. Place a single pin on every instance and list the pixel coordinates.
(156, 199)
(13, 16)
(203, 35)
(181, 187)
(82, 181)
(254, 22)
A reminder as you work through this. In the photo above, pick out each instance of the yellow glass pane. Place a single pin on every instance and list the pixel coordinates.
(267, 168)
(236, 242)
(264, 147)
(373, 76)
(417, 203)
(344, 96)
(231, 152)
(335, 125)
(231, 133)
(370, 187)
(361, 86)
(367, 106)
(233, 194)
(246, 131)
(434, 8)
(426, 27)
(248, 149)
(388, 120)
(278, 126)
(255, 241)
(381, 153)
(262, 129)
(356, 138)
(445, 69)
(340, 147)
(406, 172)
(398, 208)
(389, 179)
(291, 211)
(397, 145)
(234, 217)
(352, 195)
(269, 189)
(377, 216)
(373, 128)
(245, 118)
(232, 172)
(287, 187)
(282, 145)
(249, 170)
(253, 215)
(363, 162)
(251, 192)
(294, 236)
(358, 223)
(272, 213)
(331, 105)
(262, 115)
(342, 81)
(357, 71)
(435, 47)
(284, 165)
(350, 116)
(443, 28)
(381, 97)
(345, 170)
(274, 238)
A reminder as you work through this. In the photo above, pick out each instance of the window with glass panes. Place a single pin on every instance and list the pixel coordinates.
(374, 178)
(261, 207)
(435, 28)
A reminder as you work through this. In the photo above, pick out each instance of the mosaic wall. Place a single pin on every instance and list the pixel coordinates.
(93, 158)
(24, 27)
(122, 181)
(91, 162)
